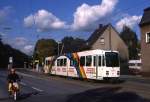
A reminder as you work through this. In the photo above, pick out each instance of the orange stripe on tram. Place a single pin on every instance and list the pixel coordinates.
(82, 71)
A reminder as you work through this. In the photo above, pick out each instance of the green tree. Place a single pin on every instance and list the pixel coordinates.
(74, 44)
(18, 57)
(131, 40)
(44, 48)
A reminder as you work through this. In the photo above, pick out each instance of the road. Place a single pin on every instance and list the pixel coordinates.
(37, 87)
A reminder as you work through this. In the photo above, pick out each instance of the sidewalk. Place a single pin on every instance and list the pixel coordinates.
(134, 78)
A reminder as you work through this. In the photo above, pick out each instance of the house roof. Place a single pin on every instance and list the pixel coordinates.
(96, 34)
(146, 17)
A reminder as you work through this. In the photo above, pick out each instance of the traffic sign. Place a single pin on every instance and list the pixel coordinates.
(10, 59)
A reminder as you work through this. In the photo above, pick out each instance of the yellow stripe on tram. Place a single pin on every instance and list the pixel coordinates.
(82, 71)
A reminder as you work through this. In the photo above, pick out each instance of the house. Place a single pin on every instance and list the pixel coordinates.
(145, 42)
(106, 37)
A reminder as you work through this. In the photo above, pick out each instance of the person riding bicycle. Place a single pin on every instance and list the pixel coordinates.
(11, 78)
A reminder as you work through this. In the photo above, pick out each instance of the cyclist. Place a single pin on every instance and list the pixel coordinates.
(11, 78)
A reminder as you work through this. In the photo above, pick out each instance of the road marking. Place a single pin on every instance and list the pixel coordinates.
(22, 83)
(25, 74)
(31, 76)
(37, 89)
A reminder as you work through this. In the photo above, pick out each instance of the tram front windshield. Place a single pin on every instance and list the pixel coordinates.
(112, 59)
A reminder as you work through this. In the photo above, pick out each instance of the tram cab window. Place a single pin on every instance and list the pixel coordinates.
(58, 62)
(82, 60)
(61, 62)
(112, 59)
(88, 60)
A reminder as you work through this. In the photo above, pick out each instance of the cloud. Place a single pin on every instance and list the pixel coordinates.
(4, 13)
(130, 21)
(44, 21)
(87, 16)
(20, 41)
(28, 49)
(2, 34)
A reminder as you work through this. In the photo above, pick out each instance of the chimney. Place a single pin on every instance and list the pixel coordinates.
(147, 9)
(100, 26)
(145, 18)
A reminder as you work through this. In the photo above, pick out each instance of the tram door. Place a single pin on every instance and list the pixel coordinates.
(99, 62)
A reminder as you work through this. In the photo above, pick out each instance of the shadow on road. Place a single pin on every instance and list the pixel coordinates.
(21, 96)
(4, 99)
(119, 81)
(106, 94)
(26, 95)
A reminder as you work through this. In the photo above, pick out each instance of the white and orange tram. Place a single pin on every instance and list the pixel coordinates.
(91, 64)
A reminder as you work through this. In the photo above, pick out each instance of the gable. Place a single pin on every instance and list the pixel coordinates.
(96, 34)
(104, 33)
(145, 18)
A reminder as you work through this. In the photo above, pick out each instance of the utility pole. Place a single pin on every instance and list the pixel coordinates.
(62, 48)
(58, 48)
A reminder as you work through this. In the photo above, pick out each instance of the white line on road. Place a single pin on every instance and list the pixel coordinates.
(37, 89)
(22, 83)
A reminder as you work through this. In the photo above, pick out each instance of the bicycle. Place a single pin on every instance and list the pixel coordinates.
(15, 90)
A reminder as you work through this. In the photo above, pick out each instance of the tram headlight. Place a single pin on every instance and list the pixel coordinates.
(107, 72)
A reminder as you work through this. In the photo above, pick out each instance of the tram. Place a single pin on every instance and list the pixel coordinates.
(92, 64)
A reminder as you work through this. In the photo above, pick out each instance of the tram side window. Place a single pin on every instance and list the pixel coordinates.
(139, 64)
(46, 62)
(71, 63)
(99, 61)
(94, 60)
(53, 63)
(103, 61)
(65, 62)
(88, 60)
(82, 61)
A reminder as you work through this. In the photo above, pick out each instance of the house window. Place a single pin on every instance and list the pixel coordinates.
(102, 40)
(148, 37)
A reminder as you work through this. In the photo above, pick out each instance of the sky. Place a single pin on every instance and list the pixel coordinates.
(23, 22)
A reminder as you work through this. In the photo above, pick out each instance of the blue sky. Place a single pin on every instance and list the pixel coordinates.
(30, 20)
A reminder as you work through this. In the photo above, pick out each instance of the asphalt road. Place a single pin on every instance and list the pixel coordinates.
(40, 88)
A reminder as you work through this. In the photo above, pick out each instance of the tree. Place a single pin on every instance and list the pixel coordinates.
(44, 48)
(73, 44)
(131, 40)
(18, 57)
